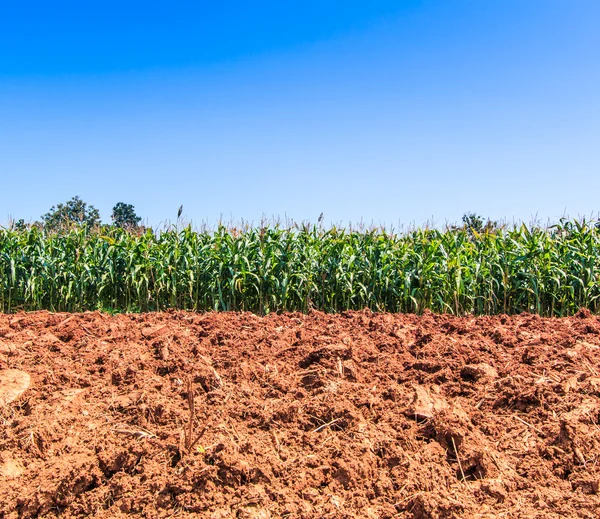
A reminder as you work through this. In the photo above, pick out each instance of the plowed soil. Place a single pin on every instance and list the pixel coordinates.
(357, 415)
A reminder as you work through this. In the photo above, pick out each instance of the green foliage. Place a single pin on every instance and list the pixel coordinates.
(475, 224)
(19, 225)
(123, 216)
(551, 271)
(75, 212)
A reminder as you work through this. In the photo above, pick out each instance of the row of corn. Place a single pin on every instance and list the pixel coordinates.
(550, 271)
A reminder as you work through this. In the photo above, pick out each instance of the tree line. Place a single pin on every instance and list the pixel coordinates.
(76, 212)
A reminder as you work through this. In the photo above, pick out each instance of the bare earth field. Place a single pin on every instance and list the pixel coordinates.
(357, 415)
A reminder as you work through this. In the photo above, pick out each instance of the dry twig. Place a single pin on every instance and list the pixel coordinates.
(189, 440)
(458, 459)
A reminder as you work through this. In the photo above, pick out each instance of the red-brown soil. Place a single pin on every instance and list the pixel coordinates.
(356, 415)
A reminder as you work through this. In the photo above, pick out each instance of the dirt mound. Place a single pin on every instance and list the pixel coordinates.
(354, 415)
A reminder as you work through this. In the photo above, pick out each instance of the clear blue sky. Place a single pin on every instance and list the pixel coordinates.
(386, 111)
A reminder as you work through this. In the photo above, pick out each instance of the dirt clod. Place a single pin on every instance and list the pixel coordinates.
(13, 383)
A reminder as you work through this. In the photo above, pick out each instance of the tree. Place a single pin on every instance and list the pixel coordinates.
(123, 216)
(475, 224)
(73, 212)
(19, 225)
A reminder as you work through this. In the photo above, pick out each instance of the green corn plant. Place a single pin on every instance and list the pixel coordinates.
(550, 271)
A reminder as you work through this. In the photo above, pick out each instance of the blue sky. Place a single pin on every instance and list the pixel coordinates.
(393, 112)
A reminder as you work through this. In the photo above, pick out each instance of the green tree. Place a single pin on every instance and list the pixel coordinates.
(475, 224)
(19, 225)
(73, 212)
(123, 216)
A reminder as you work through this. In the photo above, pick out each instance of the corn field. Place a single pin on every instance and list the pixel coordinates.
(550, 271)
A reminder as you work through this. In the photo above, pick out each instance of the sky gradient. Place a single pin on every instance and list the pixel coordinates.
(386, 112)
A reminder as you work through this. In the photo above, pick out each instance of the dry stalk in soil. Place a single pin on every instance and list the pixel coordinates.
(188, 440)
